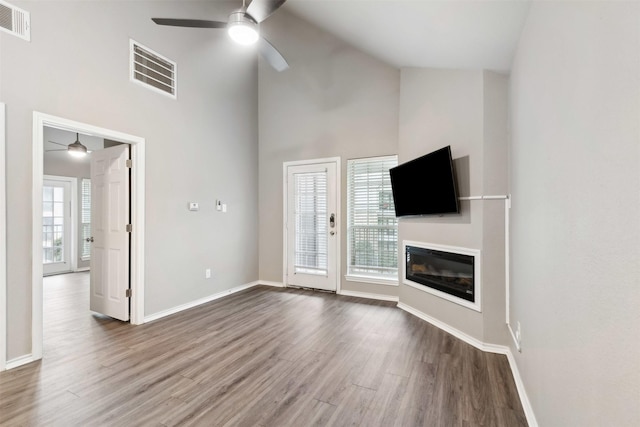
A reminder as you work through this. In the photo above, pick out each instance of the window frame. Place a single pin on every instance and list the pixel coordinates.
(358, 276)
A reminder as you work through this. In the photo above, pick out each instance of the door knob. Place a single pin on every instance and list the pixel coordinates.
(89, 239)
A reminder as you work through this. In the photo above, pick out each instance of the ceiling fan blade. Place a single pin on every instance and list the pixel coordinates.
(191, 23)
(260, 10)
(57, 143)
(271, 54)
(60, 149)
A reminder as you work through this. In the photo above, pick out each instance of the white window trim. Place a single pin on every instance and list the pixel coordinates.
(371, 279)
(363, 278)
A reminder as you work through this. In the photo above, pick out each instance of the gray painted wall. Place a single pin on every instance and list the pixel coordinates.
(200, 148)
(575, 151)
(334, 101)
(466, 109)
(495, 182)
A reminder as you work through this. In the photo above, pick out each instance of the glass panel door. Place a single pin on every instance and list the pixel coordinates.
(56, 226)
(312, 225)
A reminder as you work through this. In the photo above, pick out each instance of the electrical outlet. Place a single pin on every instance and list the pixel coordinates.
(207, 273)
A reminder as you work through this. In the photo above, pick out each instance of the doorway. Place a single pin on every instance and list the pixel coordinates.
(137, 147)
(311, 224)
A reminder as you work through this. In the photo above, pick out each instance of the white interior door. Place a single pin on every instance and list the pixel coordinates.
(56, 226)
(109, 219)
(312, 226)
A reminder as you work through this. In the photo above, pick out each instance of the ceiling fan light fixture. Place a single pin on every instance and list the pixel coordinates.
(241, 29)
(77, 149)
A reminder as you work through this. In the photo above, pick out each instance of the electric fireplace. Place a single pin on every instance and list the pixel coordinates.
(448, 272)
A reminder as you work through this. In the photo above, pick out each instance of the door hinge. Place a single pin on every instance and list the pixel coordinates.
(129, 163)
(127, 294)
(129, 228)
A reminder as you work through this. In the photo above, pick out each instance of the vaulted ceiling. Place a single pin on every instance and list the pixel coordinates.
(469, 34)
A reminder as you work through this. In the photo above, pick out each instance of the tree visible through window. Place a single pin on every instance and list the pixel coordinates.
(372, 227)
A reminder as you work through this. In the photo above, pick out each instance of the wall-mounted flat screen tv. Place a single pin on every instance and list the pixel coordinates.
(426, 185)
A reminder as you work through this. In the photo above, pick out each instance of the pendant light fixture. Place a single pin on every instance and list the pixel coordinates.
(77, 149)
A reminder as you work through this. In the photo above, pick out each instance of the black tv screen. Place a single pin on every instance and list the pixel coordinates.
(426, 185)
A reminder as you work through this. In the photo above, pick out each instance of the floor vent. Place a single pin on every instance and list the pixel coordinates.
(152, 70)
(14, 20)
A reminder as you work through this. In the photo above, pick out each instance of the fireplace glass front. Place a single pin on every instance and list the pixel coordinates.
(447, 272)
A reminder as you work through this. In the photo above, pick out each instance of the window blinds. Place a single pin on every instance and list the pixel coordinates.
(85, 218)
(372, 227)
(310, 190)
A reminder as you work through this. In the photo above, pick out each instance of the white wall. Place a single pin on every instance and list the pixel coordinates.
(200, 147)
(575, 180)
(334, 101)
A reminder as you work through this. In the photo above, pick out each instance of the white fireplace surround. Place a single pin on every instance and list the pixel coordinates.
(477, 278)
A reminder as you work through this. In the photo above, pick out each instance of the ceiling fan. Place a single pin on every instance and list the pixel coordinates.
(242, 27)
(76, 149)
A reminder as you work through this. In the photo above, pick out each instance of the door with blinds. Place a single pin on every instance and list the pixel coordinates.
(56, 225)
(311, 226)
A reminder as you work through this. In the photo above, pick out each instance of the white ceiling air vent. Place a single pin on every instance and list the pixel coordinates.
(14, 20)
(152, 70)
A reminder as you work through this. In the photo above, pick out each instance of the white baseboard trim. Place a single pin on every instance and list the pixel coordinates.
(489, 348)
(524, 398)
(192, 304)
(268, 283)
(80, 270)
(367, 295)
(19, 361)
(455, 332)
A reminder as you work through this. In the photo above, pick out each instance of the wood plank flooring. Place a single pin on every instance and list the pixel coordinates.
(262, 357)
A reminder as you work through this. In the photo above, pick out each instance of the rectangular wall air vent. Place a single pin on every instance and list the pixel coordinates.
(153, 70)
(14, 20)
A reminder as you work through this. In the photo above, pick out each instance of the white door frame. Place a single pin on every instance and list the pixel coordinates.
(40, 120)
(285, 253)
(73, 231)
(3, 245)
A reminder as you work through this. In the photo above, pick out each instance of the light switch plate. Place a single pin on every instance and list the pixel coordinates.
(193, 206)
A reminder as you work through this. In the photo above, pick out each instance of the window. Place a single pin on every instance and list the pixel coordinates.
(372, 227)
(311, 223)
(85, 219)
(53, 216)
